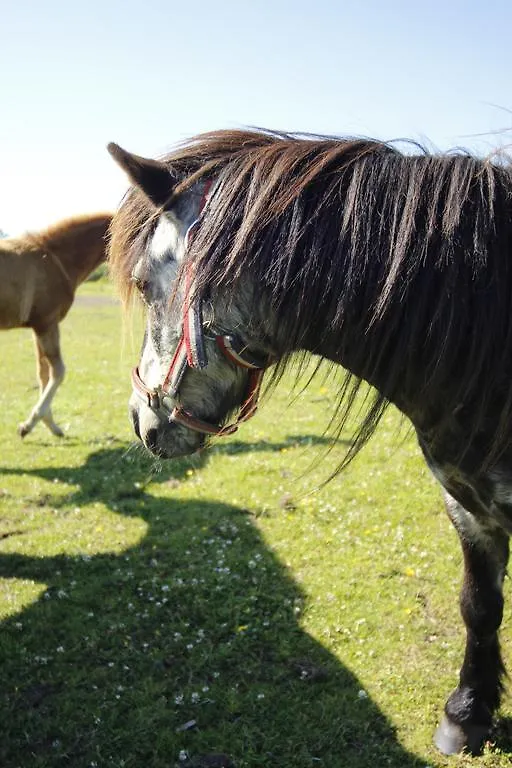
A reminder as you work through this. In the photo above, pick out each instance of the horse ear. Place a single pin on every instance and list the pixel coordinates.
(151, 176)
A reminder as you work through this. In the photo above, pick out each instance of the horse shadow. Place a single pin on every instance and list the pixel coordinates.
(233, 447)
(186, 644)
(227, 448)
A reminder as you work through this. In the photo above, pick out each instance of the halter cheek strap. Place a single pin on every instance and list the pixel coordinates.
(190, 352)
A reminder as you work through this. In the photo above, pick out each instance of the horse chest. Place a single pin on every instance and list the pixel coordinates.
(17, 294)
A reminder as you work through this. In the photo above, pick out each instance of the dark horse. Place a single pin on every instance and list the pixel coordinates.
(248, 247)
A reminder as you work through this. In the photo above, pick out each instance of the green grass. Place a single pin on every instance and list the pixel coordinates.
(220, 604)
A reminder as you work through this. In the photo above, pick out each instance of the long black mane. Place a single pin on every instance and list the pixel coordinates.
(401, 264)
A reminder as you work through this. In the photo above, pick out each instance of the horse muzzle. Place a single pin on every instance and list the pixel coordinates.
(164, 438)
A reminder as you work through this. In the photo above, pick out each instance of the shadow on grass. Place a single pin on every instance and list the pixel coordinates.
(188, 642)
(227, 448)
(261, 446)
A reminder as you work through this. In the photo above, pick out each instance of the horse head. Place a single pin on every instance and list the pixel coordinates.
(197, 365)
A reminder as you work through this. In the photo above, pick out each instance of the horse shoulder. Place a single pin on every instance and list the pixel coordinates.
(18, 283)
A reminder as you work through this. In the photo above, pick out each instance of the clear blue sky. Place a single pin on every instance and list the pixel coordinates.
(74, 76)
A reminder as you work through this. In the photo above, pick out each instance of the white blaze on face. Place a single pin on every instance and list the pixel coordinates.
(165, 237)
(165, 251)
(167, 246)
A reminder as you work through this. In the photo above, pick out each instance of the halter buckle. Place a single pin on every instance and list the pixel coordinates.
(154, 400)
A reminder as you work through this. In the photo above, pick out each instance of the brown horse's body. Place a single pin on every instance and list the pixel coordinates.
(39, 275)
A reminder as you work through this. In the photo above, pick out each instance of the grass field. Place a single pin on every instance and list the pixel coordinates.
(161, 614)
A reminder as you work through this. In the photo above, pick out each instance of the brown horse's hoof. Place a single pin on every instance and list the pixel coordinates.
(451, 739)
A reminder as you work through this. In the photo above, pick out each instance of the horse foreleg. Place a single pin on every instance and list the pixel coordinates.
(50, 370)
(470, 708)
(43, 370)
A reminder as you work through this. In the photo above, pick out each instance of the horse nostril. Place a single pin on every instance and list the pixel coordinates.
(151, 439)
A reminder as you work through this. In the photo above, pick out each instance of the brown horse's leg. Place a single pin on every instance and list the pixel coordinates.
(471, 706)
(50, 368)
(44, 376)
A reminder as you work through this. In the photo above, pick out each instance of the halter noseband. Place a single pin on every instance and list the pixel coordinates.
(234, 350)
(191, 353)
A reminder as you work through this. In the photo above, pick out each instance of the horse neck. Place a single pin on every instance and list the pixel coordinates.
(80, 249)
(347, 343)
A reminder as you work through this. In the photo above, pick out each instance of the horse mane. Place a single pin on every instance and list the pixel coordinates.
(129, 226)
(406, 257)
(203, 155)
(61, 235)
(71, 227)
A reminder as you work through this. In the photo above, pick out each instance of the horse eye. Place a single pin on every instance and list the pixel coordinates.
(141, 285)
(139, 282)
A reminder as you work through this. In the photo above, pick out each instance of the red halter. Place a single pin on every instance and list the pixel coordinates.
(190, 353)
(156, 398)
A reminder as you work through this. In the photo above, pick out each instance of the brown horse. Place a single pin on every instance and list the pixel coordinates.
(39, 273)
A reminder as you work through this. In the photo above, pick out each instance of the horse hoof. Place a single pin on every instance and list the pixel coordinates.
(23, 430)
(450, 739)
